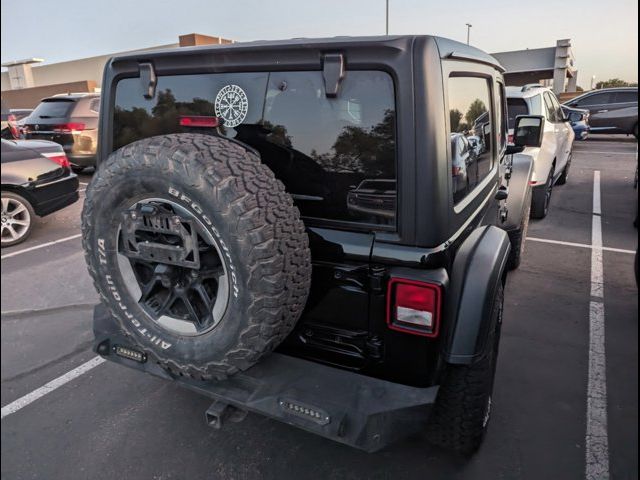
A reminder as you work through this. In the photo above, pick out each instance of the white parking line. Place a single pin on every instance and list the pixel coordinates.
(36, 247)
(597, 441)
(606, 153)
(83, 183)
(581, 245)
(22, 402)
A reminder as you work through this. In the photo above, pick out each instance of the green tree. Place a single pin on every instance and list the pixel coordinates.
(476, 109)
(611, 83)
(455, 116)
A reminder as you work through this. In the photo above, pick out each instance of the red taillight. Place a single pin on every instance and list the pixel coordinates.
(510, 139)
(199, 121)
(13, 127)
(414, 307)
(60, 158)
(69, 127)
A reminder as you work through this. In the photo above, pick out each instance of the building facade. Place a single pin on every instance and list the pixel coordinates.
(26, 82)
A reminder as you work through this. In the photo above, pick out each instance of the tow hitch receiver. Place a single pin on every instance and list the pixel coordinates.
(220, 412)
(154, 236)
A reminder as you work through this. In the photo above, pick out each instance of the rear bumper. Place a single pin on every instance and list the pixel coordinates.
(81, 160)
(352, 409)
(53, 196)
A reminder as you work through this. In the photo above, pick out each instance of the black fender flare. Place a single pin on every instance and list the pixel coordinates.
(478, 270)
(519, 190)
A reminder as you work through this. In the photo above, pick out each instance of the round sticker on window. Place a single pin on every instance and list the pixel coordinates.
(232, 105)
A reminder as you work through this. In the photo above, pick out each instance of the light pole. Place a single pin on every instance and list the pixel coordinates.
(468, 31)
(387, 19)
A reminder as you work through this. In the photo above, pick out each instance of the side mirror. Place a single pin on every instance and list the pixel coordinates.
(574, 117)
(528, 131)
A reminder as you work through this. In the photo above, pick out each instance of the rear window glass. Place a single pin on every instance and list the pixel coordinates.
(336, 156)
(52, 109)
(515, 107)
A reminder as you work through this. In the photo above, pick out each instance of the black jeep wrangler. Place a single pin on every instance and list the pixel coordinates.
(348, 204)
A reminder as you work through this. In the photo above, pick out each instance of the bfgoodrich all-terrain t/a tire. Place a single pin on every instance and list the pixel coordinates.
(463, 406)
(244, 219)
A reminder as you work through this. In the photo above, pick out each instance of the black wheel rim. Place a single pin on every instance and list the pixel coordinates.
(181, 300)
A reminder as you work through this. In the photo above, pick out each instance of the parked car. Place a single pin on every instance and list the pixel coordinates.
(211, 250)
(612, 110)
(579, 121)
(70, 120)
(552, 159)
(36, 180)
(373, 197)
(9, 126)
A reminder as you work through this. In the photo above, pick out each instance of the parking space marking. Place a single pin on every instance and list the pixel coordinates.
(597, 441)
(606, 153)
(83, 183)
(29, 398)
(36, 247)
(580, 245)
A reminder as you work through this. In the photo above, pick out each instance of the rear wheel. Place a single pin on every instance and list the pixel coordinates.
(17, 218)
(541, 197)
(463, 407)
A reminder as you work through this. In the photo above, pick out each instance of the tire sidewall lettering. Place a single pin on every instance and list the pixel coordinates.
(197, 209)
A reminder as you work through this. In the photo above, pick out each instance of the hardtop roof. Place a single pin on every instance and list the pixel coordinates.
(446, 47)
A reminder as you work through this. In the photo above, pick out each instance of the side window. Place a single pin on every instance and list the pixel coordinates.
(501, 118)
(94, 106)
(595, 99)
(550, 108)
(470, 133)
(626, 97)
(556, 107)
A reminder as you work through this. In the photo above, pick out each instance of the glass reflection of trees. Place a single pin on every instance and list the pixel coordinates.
(320, 181)
(470, 147)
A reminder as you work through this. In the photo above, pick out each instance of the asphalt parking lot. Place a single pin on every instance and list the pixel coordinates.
(112, 422)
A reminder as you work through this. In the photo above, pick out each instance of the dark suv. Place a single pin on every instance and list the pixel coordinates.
(302, 197)
(611, 110)
(70, 120)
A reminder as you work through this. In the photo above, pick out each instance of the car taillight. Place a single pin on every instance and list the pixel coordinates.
(13, 126)
(414, 307)
(510, 139)
(199, 121)
(71, 127)
(60, 158)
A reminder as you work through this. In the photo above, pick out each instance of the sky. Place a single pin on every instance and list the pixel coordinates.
(604, 34)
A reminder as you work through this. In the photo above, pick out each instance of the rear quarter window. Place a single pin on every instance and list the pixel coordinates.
(335, 156)
(626, 97)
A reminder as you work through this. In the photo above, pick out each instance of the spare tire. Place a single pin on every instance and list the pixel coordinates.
(197, 251)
